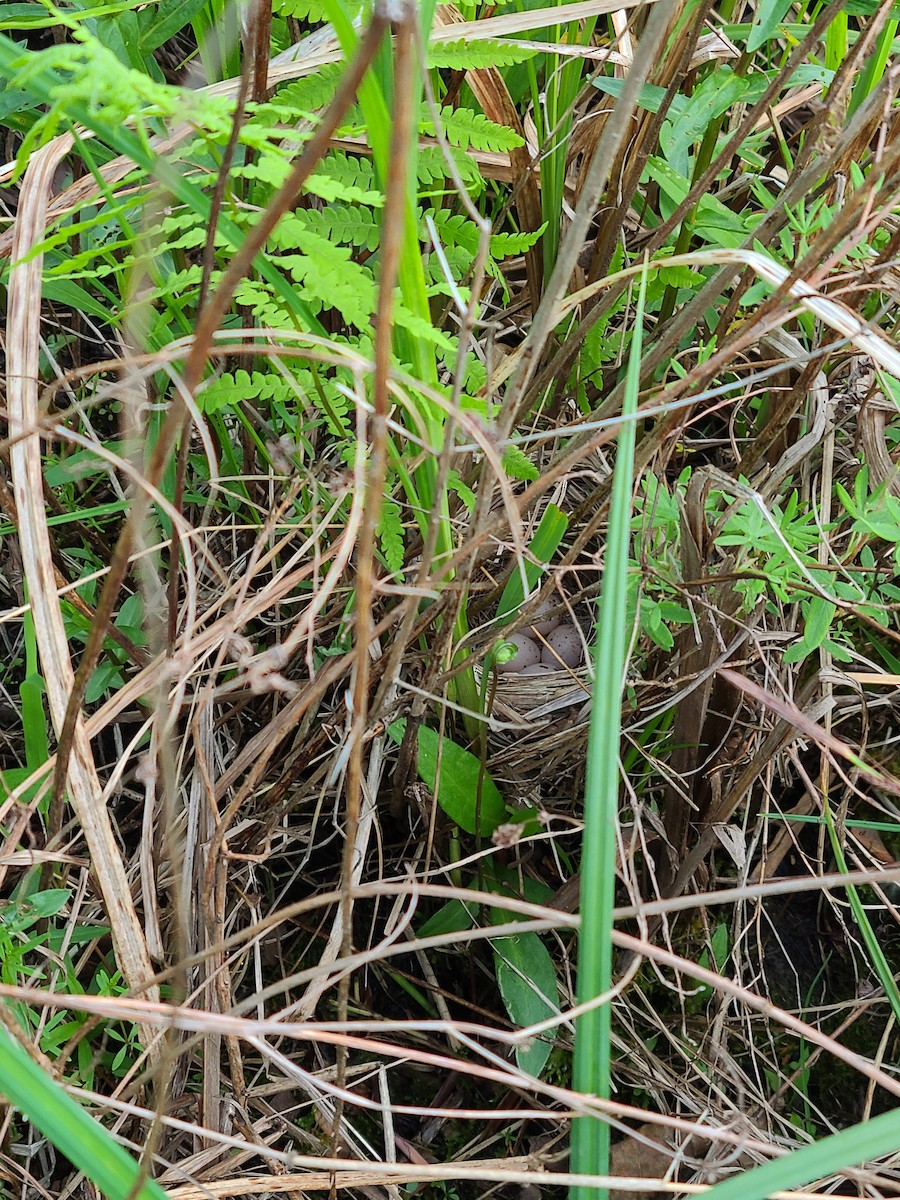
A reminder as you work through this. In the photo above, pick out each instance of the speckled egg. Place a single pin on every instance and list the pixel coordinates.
(564, 648)
(543, 624)
(540, 668)
(528, 654)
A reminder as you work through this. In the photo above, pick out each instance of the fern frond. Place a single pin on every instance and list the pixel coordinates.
(471, 130)
(432, 168)
(465, 493)
(473, 56)
(421, 328)
(324, 396)
(390, 534)
(517, 465)
(343, 224)
(352, 170)
(229, 389)
(505, 244)
(306, 95)
(331, 278)
(321, 184)
(456, 229)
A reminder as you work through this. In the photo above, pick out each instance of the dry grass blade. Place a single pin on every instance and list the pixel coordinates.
(25, 423)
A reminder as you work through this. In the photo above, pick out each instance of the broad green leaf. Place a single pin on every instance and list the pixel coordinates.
(768, 16)
(452, 917)
(550, 532)
(78, 1135)
(34, 723)
(65, 291)
(48, 903)
(527, 981)
(462, 778)
(650, 96)
(171, 16)
(819, 615)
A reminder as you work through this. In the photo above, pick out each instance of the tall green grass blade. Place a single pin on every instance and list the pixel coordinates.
(558, 107)
(868, 1140)
(593, 1039)
(836, 41)
(74, 1132)
(876, 954)
(550, 532)
(875, 66)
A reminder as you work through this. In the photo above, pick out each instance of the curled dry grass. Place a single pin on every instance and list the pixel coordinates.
(285, 1048)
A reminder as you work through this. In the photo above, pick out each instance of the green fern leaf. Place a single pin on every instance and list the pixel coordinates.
(505, 244)
(268, 311)
(421, 328)
(344, 224)
(272, 168)
(458, 260)
(324, 395)
(330, 278)
(350, 169)
(390, 534)
(306, 95)
(226, 391)
(465, 493)
(456, 229)
(472, 56)
(517, 465)
(329, 189)
(471, 130)
(432, 169)
(314, 11)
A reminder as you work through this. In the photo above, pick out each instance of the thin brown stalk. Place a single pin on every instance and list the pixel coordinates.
(404, 14)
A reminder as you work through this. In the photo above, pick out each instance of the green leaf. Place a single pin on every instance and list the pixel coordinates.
(472, 56)
(48, 903)
(171, 17)
(34, 723)
(769, 14)
(527, 981)
(505, 244)
(462, 777)
(716, 223)
(518, 465)
(650, 96)
(550, 532)
(73, 295)
(819, 614)
(390, 534)
(715, 95)
(452, 917)
(471, 130)
(78, 1135)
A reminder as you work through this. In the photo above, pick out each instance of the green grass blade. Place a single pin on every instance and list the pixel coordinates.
(549, 533)
(73, 1131)
(880, 1135)
(875, 66)
(591, 1074)
(876, 954)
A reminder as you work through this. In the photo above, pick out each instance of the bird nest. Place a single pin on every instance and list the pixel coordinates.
(539, 724)
(546, 677)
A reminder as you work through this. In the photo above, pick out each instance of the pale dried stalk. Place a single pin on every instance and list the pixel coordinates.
(23, 331)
